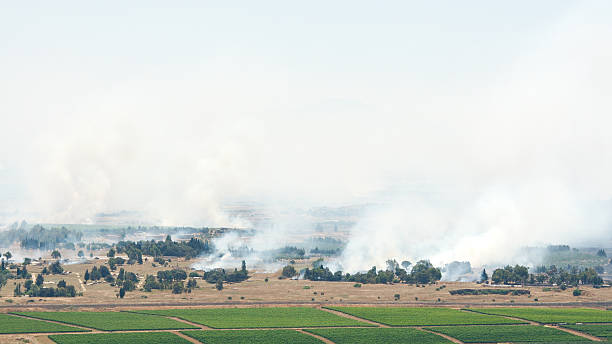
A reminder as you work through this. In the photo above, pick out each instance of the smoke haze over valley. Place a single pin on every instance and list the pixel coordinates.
(400, 137)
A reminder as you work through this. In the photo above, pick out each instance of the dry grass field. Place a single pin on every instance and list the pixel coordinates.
(257, 290)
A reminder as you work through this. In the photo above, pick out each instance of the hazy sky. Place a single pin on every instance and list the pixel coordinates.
(172, 108)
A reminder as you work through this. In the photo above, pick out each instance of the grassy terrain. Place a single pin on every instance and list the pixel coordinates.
(120, 338)
(506, 333)
(252, 336)
(552, 315)
(111, 321)
(406, 316)
(378, 335)
(604, 331)
(259, 317)
(13, 324)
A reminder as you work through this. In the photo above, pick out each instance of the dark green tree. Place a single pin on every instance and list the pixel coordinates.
(484, 277)
(56, 254)
(40, 280)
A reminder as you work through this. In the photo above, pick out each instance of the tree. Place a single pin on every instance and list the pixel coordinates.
(8, 255)
(111, 253)
(27, 261)
(86, 276)
(243, 268)
(104, 271)
(81, 254)
(61, 284)
(406, 264)
(289, 271)
(219, 285)
(17, 290)
(392, 265)
(40, 280)
(424, 272)
(177, 288)
(56, 254)
(121, 293)
(95, 274)
(484, 277)
(602, 253)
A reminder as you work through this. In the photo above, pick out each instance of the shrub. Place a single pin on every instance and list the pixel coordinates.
(289, 271)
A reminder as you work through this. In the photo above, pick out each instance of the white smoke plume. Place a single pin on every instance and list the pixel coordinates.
(466, 163)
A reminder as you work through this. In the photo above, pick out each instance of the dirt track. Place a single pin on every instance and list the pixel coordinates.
(12, 307)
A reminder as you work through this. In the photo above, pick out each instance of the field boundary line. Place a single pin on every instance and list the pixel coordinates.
(246, 304)
(175, 318)
(321, 338)
(452, 339)
(186, 337)
(200, 326)
(350, 316)
(56, 322)
(530, 322)
(576, 333)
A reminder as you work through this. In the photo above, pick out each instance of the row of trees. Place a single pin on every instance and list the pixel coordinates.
(40, 238)
(422, 272)
(190, 249)
(544, 275)
(222, 275)
(170, 279)
(36, 289)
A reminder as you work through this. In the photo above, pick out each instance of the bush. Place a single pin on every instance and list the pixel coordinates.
(357, 285)
(289, 271)
(577, 292)
(489, 291)
(177, 288)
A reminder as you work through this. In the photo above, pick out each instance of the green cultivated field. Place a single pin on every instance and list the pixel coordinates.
(552, 315)
(378, 335)
(252, 336)
(506, 333)
(405, 316)
(120, 338)
(275, 317)
(604, 331)
(13, 324)
(111, 321)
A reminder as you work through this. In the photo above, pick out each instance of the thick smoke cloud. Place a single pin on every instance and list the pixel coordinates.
(471, 169)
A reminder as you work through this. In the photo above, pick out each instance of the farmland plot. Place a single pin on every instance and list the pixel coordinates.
(120, 338)
(552, 315)
(599, 330)
(13, 324)
(407, 316)
(378, 335)
(273, 317)
(252, 336)
(111, 321)
(508, 333)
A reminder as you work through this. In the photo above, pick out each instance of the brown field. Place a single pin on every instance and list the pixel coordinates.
(276, 291)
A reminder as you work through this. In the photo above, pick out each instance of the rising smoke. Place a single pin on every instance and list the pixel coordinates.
(470, 172)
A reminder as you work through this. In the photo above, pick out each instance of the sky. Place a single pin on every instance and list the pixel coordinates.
(173, 109)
